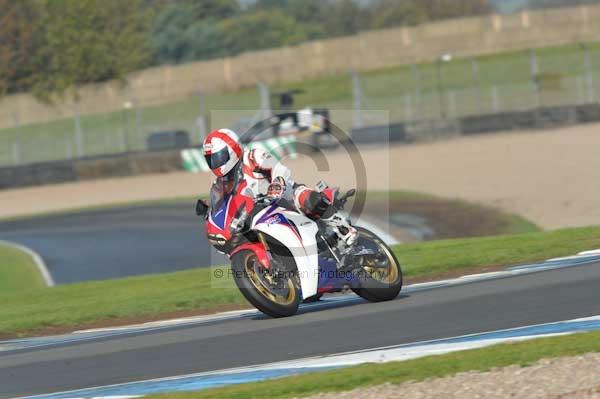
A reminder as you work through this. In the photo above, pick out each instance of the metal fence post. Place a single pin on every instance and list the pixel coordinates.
(124, 132)
(495, 99)
(477, 84)
(265, 100)
(17, 143)
(201, 120)
(581, 94)
(589, 74)
(451, 103)
(78, 130)
(416, 72)
(357, 92)
(68, 150)
(138, 124)
(15, 153)
(440, 88)
(535, 77)
(133, 102)
(408, 108)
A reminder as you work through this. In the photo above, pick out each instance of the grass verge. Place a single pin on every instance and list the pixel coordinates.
(18, 272)
(522, 353)
(147, 297)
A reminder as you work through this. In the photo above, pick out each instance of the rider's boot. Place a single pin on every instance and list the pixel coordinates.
(346, 232)
(317, 206)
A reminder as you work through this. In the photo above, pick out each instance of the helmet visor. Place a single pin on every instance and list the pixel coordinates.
(217, 159)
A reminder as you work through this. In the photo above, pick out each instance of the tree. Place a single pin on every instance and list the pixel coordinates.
(344, 17)
(389, 13)
(261, 29)
(89, 41)
(18, 40)
(442, 9)
(214, 9)
(533, 4)
(311, 14)
(189, 30)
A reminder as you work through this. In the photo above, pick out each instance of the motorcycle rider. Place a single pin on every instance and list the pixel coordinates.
(264, 174)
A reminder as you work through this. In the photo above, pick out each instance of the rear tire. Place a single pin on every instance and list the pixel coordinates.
(375, 289)
(245, 266)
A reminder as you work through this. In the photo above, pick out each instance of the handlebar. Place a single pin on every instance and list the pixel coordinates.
(341, 201)
(263, 199)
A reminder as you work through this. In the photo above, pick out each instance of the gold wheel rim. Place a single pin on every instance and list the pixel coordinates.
(391, 274)
(265, 291)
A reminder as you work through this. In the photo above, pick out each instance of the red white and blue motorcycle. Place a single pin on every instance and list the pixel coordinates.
(280, 258)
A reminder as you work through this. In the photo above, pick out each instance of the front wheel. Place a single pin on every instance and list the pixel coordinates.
(276, 296)
(380, 274)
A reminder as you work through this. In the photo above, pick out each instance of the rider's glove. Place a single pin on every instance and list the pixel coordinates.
(276, 188)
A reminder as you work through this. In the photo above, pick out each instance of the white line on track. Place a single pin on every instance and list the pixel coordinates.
(197, 381)
(37, 260)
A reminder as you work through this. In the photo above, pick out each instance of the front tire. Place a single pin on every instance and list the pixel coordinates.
(252, 279)
(378, 284)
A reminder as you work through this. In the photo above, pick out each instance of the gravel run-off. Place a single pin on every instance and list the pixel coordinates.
(569, 377)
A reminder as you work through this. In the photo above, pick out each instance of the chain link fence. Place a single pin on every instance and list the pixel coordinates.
(447, 89)
(452, 88)
(126, 130)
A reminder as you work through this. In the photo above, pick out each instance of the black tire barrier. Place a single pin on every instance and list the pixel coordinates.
(540, 118)
(395, 132)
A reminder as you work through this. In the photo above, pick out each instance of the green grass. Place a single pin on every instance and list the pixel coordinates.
(394, 89)
(523, 354)
(517, 224)
(23, 313)
(18, 273)
(442, 256)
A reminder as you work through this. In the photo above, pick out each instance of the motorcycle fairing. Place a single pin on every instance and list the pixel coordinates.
(223, 209)
(256, 247)
(332, 279)
(299, 235)
(218, 217)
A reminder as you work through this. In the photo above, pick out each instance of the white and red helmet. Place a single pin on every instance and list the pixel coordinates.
(222, 151)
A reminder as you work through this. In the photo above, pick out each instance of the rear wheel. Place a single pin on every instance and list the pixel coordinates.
(276, 295)
(381, 275)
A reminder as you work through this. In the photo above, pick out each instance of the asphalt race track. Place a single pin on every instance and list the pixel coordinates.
(117, 242)
(535, 298)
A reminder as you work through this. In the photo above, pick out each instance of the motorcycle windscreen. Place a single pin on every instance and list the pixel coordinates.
(220, 192)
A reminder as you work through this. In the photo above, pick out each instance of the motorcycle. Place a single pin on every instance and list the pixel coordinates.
(280, 258)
